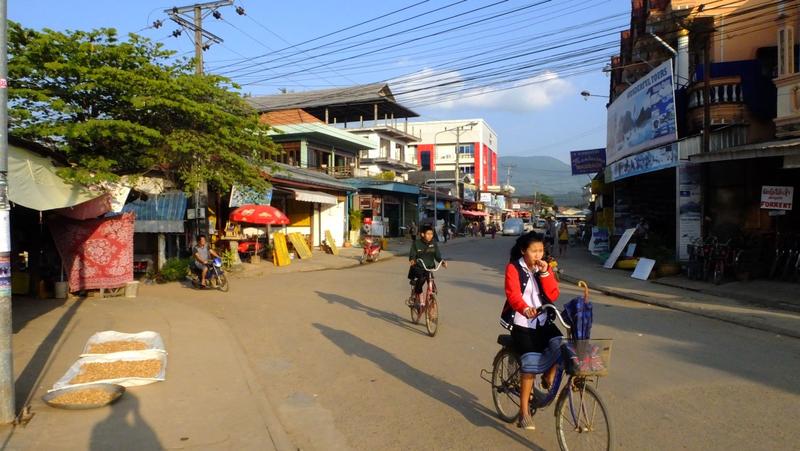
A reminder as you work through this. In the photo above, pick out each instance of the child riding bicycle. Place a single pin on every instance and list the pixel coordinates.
(424, 248)
(530, 284)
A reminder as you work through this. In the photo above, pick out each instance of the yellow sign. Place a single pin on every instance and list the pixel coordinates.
(280, 256)
(300, 245)
(331, 242)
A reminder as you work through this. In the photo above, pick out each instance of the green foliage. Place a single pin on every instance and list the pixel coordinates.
(228, 258)
(544, 199)
(386, 175)
(355, 219)
(174, 269)
(117, 107)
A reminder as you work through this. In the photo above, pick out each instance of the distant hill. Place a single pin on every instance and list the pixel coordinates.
(544, 174)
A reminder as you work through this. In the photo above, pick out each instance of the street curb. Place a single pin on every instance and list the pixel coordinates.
(732, 319)
(275, 429)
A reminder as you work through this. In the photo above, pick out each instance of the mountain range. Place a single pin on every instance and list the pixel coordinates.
(544, 174)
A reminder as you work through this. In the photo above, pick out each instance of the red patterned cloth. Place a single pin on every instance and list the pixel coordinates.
(98, 253)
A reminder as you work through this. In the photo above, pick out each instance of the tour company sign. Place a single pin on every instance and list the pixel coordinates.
(776, 197)
(642, 163)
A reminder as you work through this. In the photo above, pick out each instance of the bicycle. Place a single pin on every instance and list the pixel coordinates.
(579, 408)
(426, 302)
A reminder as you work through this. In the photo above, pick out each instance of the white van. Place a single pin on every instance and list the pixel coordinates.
(513, 226)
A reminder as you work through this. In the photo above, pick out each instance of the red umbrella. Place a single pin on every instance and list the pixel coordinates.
(259, 214)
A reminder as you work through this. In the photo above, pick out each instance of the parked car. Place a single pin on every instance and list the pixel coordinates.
(513, 226)
(527, 225)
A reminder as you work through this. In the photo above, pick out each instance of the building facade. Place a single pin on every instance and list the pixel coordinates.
(473, 148)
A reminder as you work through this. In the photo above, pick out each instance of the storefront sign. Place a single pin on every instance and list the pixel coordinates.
(588, 161)
(649, 161)
(245, 196)
(516, 206)
(598, 244)
(690, 207)
(643, 116)
(486, 198)
(365, 202)
(777, 197)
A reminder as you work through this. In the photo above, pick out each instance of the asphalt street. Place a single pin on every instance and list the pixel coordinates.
(345, 369)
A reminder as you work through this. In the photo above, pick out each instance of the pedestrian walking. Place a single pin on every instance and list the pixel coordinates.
(563, 239)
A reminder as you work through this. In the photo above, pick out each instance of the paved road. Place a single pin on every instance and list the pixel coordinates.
(345, 369)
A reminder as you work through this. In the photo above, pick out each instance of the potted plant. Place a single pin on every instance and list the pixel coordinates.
(355, 226)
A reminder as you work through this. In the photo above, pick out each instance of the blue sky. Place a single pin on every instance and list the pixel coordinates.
(539, 112)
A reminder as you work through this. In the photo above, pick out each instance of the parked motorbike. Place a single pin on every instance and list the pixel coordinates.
(372, 250)
(215, 276)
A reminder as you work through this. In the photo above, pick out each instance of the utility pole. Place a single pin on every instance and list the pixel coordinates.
(706, 94)
(202, 41)
(7, 413)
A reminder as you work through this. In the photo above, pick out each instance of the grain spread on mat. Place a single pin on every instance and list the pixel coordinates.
(117, 346)
(97, 371)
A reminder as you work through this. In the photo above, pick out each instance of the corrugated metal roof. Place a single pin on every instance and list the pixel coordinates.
(395, 187)
(288, 173)
(159, 207)
(321, 132)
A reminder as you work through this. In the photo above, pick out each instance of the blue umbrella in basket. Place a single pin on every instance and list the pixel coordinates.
(578, 314)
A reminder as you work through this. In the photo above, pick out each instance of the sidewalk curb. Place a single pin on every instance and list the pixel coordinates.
(275, 429)
(732, 319)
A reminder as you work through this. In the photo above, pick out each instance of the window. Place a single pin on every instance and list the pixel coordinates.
(425, 156)
(467, 170)
(467, 150)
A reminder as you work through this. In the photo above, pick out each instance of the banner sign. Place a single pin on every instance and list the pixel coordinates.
(690, 207)
(588, 161)
(643, 116)
(245, 196)
(649, 161)
(777, 197)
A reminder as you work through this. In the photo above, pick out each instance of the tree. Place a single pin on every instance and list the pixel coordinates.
(125, 107)
(544, 199)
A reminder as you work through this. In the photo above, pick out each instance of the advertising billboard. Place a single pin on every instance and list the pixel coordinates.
(643, 116)
(587, 161)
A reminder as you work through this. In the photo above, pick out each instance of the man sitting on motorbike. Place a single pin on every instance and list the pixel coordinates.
(201, 253)
(426, 249)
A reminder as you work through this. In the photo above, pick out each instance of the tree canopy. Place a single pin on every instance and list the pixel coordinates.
(116, 107)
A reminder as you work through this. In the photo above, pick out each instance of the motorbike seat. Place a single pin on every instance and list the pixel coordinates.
(505, 340)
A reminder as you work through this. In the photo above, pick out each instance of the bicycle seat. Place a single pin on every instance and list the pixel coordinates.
(505, 340)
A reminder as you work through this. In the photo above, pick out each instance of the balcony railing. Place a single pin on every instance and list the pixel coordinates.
(721, 90)
(726, 102)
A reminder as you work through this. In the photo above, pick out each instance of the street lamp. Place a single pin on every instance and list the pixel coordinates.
(587, 94)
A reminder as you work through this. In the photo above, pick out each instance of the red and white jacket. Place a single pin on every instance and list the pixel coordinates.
(516, 281)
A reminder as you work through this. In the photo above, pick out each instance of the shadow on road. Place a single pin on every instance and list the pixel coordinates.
(391, 318)
(29, 378)
(448, 394)
(124, 428)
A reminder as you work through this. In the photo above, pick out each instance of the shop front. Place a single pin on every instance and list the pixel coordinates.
(392, 207)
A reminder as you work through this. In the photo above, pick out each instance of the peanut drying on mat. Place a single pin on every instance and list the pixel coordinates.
(117, 346)
(97, 371)
(87, 396)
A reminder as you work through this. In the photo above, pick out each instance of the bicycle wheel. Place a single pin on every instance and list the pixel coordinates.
(222, 283)
(432, 315)
(505, 385)
(415, 314)
(582, 421)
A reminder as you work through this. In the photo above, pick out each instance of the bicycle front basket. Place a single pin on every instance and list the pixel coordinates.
(587, 357)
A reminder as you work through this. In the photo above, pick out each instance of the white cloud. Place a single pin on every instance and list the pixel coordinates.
(531, 94)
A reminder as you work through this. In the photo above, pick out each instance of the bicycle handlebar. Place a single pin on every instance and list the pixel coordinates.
(439, 265)
(558, 314)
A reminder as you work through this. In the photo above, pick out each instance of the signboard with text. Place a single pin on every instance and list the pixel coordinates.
(777, 197)
(643, 116)
(642, 163)
(587, 161)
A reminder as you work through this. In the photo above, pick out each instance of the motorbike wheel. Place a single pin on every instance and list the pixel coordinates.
(361, 260)
(222, 283)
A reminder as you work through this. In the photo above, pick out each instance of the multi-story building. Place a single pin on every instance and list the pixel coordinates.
(469, 143)
(695, 120)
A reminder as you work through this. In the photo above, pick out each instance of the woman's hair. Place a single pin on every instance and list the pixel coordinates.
(523, 243)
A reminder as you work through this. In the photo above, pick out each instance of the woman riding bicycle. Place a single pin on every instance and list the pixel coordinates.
(535, 338)
(426, 249)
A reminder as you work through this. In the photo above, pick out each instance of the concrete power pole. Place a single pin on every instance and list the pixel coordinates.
(200, 35)
(7, 413)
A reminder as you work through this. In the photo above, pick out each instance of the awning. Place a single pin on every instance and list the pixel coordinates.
(748, 151)
(474, 213)
(314, 197)
(160, 213)
(33, 183)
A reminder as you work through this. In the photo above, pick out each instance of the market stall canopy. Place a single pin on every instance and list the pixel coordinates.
(33, 183)
(314, 196)
(259, 214)
(474, 213)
